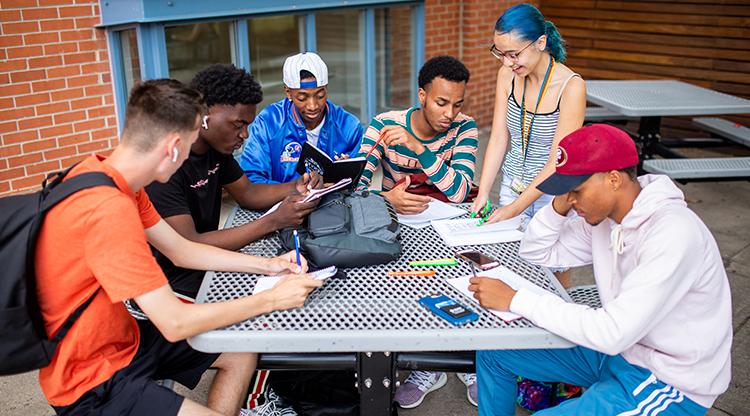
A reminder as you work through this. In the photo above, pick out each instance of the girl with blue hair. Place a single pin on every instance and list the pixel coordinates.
(538, 101)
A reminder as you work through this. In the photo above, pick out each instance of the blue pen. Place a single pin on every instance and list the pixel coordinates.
(296, 248)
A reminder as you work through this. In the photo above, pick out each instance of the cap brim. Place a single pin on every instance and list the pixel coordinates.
(558, 184)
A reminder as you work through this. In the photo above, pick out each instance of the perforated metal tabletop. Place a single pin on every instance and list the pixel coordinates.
(649, 98)
(370, 311)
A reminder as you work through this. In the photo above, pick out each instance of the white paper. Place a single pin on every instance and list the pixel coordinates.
(436, 210)
(272, 209)
(500, 273)
(464, 231)
(267, 282)
(317, 193)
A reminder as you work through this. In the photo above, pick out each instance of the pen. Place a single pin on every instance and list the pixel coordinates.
(448, 261)
(413, 273)
(374, 146)
(484, 213)
(296, 247)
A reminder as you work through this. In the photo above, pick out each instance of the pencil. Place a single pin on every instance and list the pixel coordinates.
(413, 273)
(374, 146)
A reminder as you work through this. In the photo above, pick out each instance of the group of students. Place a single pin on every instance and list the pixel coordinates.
(660, 343)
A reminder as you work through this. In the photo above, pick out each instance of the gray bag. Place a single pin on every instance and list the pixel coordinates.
(348, 230)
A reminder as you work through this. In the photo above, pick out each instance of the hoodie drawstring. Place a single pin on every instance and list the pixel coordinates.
(617, 245)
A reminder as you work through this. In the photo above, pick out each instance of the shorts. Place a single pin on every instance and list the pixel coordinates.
(133, 390)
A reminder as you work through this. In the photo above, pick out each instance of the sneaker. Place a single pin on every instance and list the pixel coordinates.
(272, 407)
(411, 394)
(470, 381)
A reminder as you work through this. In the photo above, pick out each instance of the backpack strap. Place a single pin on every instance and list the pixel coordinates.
(72, 318)
(77, 183)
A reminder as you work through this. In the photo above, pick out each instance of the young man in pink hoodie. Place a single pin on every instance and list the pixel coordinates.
(660, 343)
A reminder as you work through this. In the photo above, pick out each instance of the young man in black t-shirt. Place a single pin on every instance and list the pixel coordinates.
(191, 201)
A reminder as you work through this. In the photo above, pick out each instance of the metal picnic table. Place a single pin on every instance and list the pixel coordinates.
(372, 323)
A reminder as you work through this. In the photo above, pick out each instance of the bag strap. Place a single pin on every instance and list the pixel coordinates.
(77, 183)
(73, 318)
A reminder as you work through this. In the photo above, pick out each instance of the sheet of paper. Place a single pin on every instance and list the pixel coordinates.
(464, 231)
(272, 209)
(436, 210)
(267, 282)
(504, 274)
(317, 193)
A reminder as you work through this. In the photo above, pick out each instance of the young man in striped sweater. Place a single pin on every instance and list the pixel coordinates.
(434, 144)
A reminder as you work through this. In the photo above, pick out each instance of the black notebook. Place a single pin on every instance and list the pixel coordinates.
(313, 159)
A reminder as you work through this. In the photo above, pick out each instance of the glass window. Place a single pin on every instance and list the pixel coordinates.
(341, 45)
(272, 40)
(394, 80)
(191, 48)
(131, 66)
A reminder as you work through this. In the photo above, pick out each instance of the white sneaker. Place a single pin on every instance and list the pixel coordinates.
(272, 407)
(470, 381)
(411, 394)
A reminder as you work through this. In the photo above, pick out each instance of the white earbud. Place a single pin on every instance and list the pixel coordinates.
(205, 123)
(175, 155)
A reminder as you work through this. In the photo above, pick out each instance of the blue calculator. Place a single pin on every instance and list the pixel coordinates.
(448, 309)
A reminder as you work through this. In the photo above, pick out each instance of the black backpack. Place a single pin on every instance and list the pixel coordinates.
(24, 345)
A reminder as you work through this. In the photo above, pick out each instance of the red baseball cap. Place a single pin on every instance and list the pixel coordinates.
(591, 149)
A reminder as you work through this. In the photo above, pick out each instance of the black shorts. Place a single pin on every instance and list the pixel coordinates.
(133, 390)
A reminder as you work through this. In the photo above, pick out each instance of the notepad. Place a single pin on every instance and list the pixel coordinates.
(504, 274)
(317, 193)
(436, 210)
(267, 282)
(465, 232)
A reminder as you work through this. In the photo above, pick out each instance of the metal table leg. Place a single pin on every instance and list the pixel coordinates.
(376, 381)
(648, 140)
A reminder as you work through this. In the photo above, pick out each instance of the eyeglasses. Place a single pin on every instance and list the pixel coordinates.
(512, 55)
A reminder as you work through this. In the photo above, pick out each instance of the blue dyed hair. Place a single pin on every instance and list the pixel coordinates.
(527, 21)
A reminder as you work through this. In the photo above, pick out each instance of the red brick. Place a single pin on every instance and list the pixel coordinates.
(4, 187)
(109, 132)
(34, 123)
(67, 94)
(16, 113)
(68, 47)
(75, 11)
(88, 125)
(31, 99)
(100, 112)
(76, 35)
(24, 160)
(99, 90)
(27, 182)
(60, 152)
(108, 100)
(39, 13)
(43, 167)
(40, 38)
(60, 24)
(32, 75)
(82, 81)
(38, 145)
(8, 127)
(73, 139)
(53, 108)
(93, 45)
(20, 27)
(70, 117)
(66, 163)
(8, 151)
(54, 2)
(93, 146)
(45, 62)
(111, 121)
(87, 22)
(86, 103)
(54, 84)
(4, 78)
(77, 58)
(24, 136)
(65, 71)
(11, 174)
(95, 68)
(14, 89)
(13, 40)
(56, 131)
(10, 15)
(24, 52)
(6, 102)
(15, 4)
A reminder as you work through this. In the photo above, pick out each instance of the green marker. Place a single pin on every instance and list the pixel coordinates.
(448, 261)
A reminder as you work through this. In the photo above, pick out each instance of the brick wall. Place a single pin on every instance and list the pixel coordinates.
(56, 95)
(443, 28)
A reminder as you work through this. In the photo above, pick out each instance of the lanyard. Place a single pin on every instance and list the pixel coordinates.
(526, 134)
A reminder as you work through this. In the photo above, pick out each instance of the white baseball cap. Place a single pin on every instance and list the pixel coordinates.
(306, 61)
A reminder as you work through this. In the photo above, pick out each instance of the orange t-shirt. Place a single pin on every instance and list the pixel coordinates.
(93, 239)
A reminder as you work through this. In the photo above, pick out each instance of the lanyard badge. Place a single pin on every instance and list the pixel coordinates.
(526, 132)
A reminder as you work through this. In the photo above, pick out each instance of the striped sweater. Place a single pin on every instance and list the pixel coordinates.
(448, 160)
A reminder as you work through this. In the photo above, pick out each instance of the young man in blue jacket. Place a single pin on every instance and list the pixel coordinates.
(306, 115)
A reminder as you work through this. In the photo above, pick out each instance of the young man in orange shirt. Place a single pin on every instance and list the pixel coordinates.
(98, 239)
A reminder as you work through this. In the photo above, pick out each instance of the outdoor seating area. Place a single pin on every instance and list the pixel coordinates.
(375, 208)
